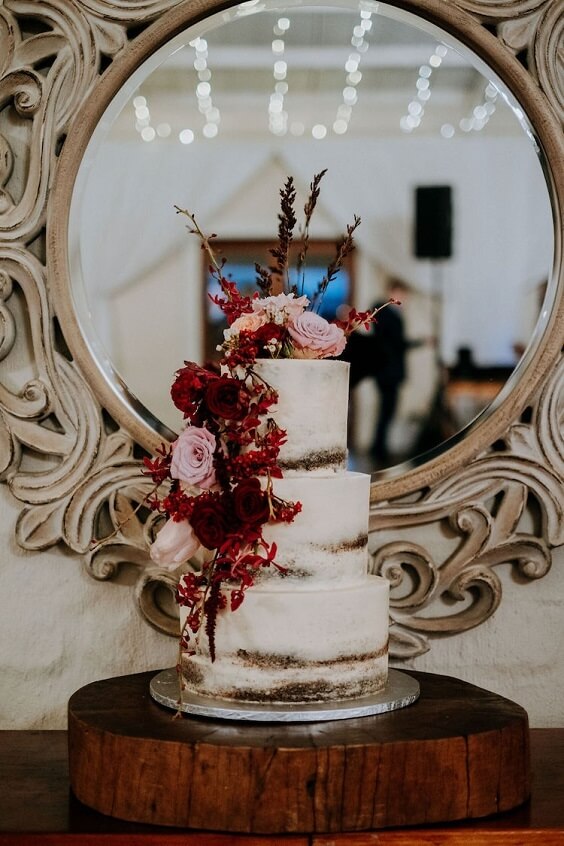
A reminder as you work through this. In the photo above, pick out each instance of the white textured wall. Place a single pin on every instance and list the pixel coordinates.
(60, 630)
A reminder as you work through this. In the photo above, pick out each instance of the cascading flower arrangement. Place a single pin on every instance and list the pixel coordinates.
(219, 472)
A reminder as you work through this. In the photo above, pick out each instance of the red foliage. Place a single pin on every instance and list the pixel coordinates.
(250, 502)
(189, 387)
(215, 602)
(227, 398)
(233, 304)
(159, 468)
(211, 518)
(356, 319)
(229, 519)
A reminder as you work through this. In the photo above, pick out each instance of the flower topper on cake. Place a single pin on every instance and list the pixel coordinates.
(220, 470)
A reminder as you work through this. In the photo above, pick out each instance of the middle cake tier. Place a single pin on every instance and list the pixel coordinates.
(327, 542)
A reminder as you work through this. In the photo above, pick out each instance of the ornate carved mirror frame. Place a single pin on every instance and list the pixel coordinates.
(70, 445)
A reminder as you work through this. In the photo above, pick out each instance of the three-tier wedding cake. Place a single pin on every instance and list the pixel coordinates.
(283, 608)
(319, 632)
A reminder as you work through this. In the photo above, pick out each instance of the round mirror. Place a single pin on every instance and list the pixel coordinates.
(419, 138)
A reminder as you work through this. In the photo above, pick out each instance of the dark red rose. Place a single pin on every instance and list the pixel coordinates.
(269, 332)
(210, 521)
(250, 502)
(227, 398)
(188, 387)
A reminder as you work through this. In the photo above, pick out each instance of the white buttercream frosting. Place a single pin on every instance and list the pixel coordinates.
(312, 408)
(327, 540)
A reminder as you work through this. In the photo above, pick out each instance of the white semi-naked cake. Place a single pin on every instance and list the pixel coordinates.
(319, 633)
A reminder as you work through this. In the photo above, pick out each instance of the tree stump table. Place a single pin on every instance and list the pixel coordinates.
(458, 752)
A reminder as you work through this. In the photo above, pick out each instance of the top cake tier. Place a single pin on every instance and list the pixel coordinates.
(313, 399)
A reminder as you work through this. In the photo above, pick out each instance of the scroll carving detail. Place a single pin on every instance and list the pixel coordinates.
(484, 505)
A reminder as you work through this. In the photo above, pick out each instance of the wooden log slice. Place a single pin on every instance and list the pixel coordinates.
(458, 752)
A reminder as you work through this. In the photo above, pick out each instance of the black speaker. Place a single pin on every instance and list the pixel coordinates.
(433, 221)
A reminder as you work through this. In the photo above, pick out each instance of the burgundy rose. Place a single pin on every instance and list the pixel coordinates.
(210, 521)
(189, 386)
(270, 333)
(250, 502)
(227, 398)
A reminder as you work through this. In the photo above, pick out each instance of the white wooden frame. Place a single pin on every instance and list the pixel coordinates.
(70, 444)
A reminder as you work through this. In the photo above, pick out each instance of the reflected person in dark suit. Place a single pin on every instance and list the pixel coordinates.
(387, 363)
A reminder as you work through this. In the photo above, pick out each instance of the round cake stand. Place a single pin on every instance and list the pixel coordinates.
(401, 690)
(457, 752)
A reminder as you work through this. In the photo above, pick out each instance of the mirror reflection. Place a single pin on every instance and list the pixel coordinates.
(418, 140)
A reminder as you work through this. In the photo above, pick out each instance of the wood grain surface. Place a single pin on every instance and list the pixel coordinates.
(37, 808)
(458, 752)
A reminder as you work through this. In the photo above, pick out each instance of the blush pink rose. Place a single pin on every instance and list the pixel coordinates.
(314, 337)
(247, 323)
(192, 457)
(174, 544)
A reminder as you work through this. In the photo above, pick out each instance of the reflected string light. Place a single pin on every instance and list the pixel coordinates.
(148, 133)
(415, 108)
(481, 113)
(353, 75)
(209, 112)
(319, 131)
(476, 121)
(203, 92)
(186, 136)
(278, 115)
(249, 7)
(143, 118)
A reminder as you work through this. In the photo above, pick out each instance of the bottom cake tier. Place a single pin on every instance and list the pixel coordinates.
(307, 645)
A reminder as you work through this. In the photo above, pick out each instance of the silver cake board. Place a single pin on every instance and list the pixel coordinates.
(400, 691)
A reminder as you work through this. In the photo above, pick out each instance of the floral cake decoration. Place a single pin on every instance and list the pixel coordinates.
(219, 475)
